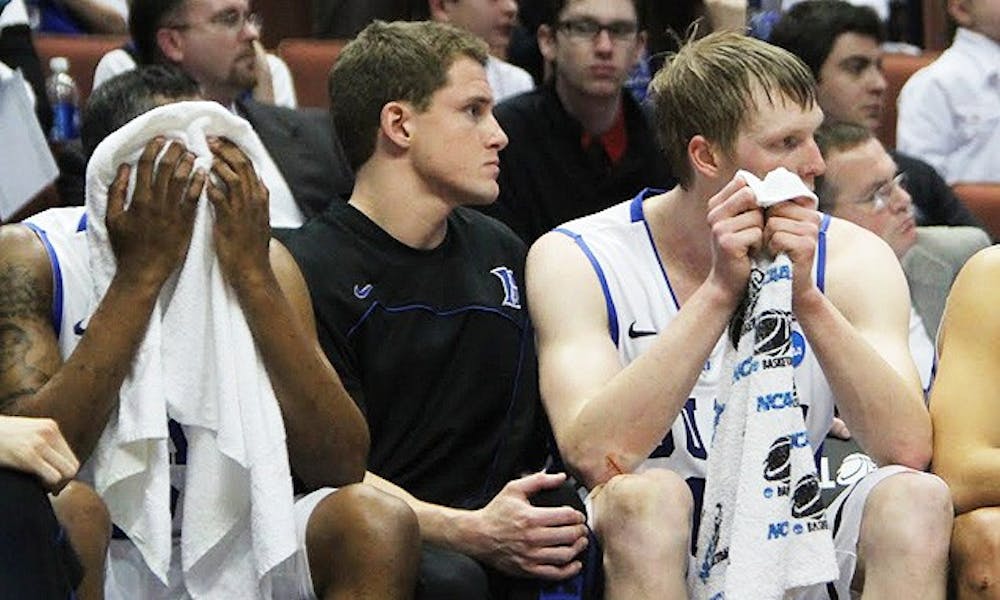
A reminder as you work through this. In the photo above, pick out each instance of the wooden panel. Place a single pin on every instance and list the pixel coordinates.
(897, 68)
(983, 199)
(310, 62)
(83, 52)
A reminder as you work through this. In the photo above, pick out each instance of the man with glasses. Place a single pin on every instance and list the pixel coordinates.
(579, 143)
(216, 43)
(840, 43)
(862, 184)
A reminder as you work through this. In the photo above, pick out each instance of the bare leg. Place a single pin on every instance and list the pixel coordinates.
(85, 518)
(363, 544)
(905, 533)
(975, 554)
(644, 524)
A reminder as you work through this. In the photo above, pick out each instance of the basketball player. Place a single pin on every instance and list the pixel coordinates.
(66, 361)
(965, 412)
(630, 304)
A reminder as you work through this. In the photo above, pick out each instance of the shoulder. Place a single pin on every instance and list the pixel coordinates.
(521, 109)
(856, 260)
(113, 63)
(24, 262)
(482, 228)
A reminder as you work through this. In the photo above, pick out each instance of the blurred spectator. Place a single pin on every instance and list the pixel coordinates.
(949, 112)
(580, 143)
(79, 16)
(840, 43)
(492, 21)
(18, 52)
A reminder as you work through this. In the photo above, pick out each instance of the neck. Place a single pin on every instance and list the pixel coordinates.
(679, 222)
(595, 113)
(395, 200)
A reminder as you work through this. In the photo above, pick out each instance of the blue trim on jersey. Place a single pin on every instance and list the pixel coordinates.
(57, 286)
(821, 254)
(639, 215)
(608, 302)
(424, 307)
(635, 209)
(82, 225)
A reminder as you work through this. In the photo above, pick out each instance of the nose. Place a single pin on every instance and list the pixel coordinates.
(603, 42)
(251, 28)
(508, 7)
(877, 80)
(498, 137)
(812, 165)
(900, 200)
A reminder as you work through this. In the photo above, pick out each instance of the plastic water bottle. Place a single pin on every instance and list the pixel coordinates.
(64, 98)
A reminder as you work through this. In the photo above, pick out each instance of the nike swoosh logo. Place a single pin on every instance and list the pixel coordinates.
(361, 292)
(78, 328)
(638, 333)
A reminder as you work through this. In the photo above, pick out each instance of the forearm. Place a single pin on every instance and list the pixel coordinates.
(439, 525)
(98, 18)
(626, 419)
(881, 406)
(327, 435)
(82, 393)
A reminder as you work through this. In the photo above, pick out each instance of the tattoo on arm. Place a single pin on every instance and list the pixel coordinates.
(22, 301)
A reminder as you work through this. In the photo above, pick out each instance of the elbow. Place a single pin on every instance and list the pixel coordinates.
(592, 465)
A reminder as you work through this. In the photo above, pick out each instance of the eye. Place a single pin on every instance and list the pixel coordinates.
(790, 142)
(474, 110)
(856, 66)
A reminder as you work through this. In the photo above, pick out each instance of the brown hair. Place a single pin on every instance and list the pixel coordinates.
(399, 61)
(836, 137)
(710, 88)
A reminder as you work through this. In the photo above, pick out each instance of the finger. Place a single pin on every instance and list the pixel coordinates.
(181, 176)
(556, 555)
(228, 182)
(64, 466)
(243, 167)
(554, 572)
(741, 201)
(734, 185)
(195, 187)
(536, 482)
(554, 516)
(165, 170)
(65, 459)
(563, 535)
(118, 192)
(144, 175)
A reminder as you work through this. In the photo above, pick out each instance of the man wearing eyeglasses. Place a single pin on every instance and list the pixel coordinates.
(840, 43)
(580, 143)
(862, 184)
(216, 43)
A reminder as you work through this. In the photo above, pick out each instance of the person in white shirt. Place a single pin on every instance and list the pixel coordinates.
(492, 21)
(949, 111)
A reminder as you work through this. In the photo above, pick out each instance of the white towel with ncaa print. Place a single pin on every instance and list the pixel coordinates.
(763, 527)
(198, 365)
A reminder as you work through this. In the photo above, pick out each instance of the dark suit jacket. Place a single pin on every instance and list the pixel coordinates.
(305, 148)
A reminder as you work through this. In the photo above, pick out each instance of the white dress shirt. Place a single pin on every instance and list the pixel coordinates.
(949, 111)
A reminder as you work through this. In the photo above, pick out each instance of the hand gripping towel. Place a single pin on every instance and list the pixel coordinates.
(198, 365)
(763, 527)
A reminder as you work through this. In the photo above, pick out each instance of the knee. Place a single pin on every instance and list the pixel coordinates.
(975, 552)
(79, 507)
(656, 501)
(910, 513)
(361, 514)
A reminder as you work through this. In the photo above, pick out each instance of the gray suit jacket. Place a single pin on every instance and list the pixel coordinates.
(306, 150)
(932, 265)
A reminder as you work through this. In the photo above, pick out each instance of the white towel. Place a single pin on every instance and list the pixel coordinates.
(197, 364)
(763, 527)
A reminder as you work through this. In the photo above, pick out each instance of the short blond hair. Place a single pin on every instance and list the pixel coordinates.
(711, 86)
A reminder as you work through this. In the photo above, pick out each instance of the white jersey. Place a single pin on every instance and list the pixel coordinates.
(63, 232)
(640, 303)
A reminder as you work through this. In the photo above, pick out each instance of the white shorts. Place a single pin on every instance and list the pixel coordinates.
(127, 576)
(844, 517)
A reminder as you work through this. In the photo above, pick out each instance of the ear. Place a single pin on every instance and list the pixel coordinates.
(547, 42)
(170, 43)
(438, 10)
(705, 157)
(395, 123)
(959, 10)
(640, 47)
